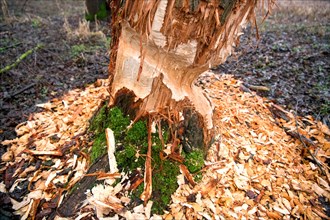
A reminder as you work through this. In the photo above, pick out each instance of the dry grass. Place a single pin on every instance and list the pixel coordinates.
(83, 32)
(298, 15)
(317, 11)
(302, 7)
(6, 16)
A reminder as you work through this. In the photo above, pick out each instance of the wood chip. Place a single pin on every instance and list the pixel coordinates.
(111, 150)
(187, 174)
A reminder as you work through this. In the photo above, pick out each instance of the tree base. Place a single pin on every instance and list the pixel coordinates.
(151, 81)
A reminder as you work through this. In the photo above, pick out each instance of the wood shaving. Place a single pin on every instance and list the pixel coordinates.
(254, 169)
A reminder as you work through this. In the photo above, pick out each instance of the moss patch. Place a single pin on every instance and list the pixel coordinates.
(164, 172)
(106, 118)
(194, 161)
(137, 135)
(131, 148)
(164, 182)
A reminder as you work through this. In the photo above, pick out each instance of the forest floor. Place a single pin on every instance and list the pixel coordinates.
(291, 58)
(289, 65)
(73, 55)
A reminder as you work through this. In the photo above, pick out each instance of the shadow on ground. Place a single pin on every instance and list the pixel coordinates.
(71, 56)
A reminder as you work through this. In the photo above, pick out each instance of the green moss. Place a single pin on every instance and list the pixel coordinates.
(127, 160)
(135, 195)
(164, 183)
(194, 161)
(99, 147)
(79, 49)
(76, 50)
(109, 118)
(198, 177)
(164, 178)
(117, 122)
(97, 122)
(133, 141)
(325, 108)
(35, 23)
(106, 118)
(138, 134)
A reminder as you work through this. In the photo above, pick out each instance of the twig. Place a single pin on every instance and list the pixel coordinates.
(10, 46)
(306, 141)
(24, 5)
(22, 90)
(54, 54)
(257, 88)
(22, 57)
(5, 32)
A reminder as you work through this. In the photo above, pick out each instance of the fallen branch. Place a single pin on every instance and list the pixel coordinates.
(22, 90)
(303, 139)
(257, 88)
(279, 112)
(75, 198)
(22, 57)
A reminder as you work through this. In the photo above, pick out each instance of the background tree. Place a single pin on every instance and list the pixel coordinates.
(96, 9)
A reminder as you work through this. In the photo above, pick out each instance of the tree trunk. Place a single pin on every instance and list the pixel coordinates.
(160, 47)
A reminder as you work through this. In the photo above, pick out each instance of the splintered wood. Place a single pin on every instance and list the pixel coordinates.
(255, 168)
(163, 47)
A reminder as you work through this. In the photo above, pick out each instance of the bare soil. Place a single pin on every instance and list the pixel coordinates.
(291, 57)
(69, 58)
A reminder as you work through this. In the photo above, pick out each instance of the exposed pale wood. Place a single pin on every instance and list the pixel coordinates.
(162, 46)
(166, 77)
(111, 147)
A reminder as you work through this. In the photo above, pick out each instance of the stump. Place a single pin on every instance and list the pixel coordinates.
(158, 50)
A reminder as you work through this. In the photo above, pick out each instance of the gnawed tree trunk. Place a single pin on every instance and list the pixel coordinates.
(160, 47)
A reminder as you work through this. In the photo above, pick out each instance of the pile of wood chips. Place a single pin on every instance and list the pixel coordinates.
(258, 168)
(266, 162)
(45, 157)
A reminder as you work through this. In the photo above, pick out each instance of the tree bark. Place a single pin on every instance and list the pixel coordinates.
(160, 47)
